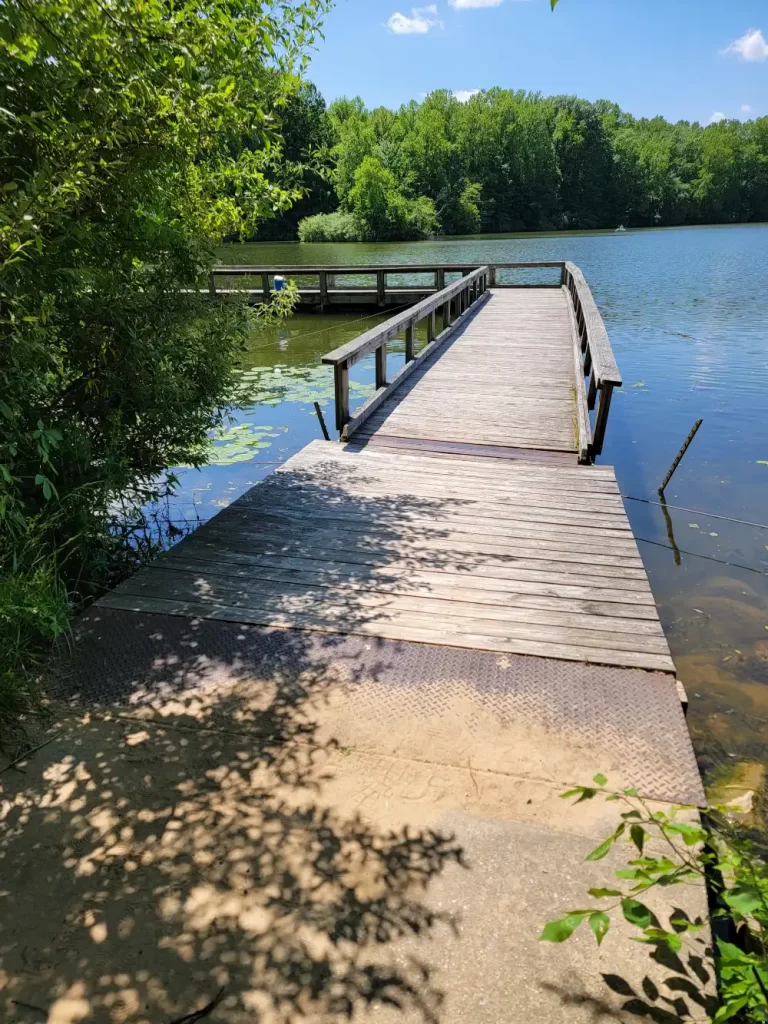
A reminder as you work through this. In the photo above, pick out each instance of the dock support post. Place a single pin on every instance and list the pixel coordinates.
(323, 288)
(381, 366)
(410, 333)
(211, 284)
(601, 417)
(381, 287)
(341, 394)
(439, 280)
(265, 287)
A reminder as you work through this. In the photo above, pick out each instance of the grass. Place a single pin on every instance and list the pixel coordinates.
(34, 611)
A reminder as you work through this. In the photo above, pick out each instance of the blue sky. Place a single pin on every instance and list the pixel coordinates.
(651, 56)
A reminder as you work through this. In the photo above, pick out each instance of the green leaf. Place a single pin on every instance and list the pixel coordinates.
(559, 931)
(729, 1009)
(743, 900)
(602, 850)
(638, 834)
(601, 893)
(636, 913)
(599, 923)
(690, 835)
(583, 793)
(659, 935)
(600, 780)
(6, 410)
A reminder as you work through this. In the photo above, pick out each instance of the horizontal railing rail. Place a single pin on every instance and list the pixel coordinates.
(597, 362)
(452, 301)
(327, 286)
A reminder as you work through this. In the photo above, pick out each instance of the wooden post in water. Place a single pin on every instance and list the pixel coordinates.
(381, 287)
(680, 454)
(323, 288)
(211, 284)
(265, 287)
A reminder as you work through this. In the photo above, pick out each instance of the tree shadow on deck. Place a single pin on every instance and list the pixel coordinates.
(197, 824)
(181, 837)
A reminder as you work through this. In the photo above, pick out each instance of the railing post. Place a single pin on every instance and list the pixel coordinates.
(265, 287)
(323, 288)
(592, 391)
(211, 284)
(431, 327)
(601, 417)
(440, 279)
(381, 366)
(381, 287)
(492, 277)
(446, 314)
(410, 333)
(341, 394)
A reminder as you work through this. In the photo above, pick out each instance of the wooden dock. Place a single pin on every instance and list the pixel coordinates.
(450, 609)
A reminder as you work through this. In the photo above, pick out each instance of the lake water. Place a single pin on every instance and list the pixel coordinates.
(687, 313)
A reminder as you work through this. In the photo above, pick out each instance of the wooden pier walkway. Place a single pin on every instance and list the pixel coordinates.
(446, 619)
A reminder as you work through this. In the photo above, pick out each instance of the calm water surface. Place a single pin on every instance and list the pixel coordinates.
(687, 313)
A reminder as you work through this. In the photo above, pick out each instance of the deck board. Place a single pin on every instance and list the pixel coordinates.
(505, 379)
(416, 548)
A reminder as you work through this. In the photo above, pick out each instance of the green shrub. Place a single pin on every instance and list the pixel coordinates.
(331, 227)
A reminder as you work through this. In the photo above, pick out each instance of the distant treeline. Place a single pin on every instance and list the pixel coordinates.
(515, 161)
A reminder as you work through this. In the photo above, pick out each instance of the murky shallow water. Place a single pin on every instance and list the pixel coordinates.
(687, 313)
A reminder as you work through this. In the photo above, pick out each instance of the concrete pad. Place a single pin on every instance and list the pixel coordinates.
(200, 827)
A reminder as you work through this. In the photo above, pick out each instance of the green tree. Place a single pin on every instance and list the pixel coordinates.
(383, 210)
(135, 136)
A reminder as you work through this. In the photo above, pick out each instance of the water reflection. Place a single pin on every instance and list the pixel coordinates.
(687, 312)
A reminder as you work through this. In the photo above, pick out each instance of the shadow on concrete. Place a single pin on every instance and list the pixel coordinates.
(177, 838)
(682, 990)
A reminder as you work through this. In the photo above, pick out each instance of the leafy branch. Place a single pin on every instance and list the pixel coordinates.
(677, 847)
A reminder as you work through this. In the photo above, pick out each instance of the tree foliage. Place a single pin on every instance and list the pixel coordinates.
(517, 161)
(135, 136)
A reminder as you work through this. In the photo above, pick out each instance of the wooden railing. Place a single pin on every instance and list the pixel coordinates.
(596, 371)
(324, 285)
(451, 302)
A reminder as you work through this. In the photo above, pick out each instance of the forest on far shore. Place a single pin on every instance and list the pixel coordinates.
(512, 161)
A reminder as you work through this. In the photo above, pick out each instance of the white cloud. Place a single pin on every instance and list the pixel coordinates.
(746, 108)
(422, 19)
(717, 117)
(464, 5)
(752, 46)
(464, 95)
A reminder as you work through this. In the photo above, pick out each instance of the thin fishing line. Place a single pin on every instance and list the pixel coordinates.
(696, 554)
(696, 511)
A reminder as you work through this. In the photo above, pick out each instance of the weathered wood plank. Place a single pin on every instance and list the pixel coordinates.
(386, 630)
